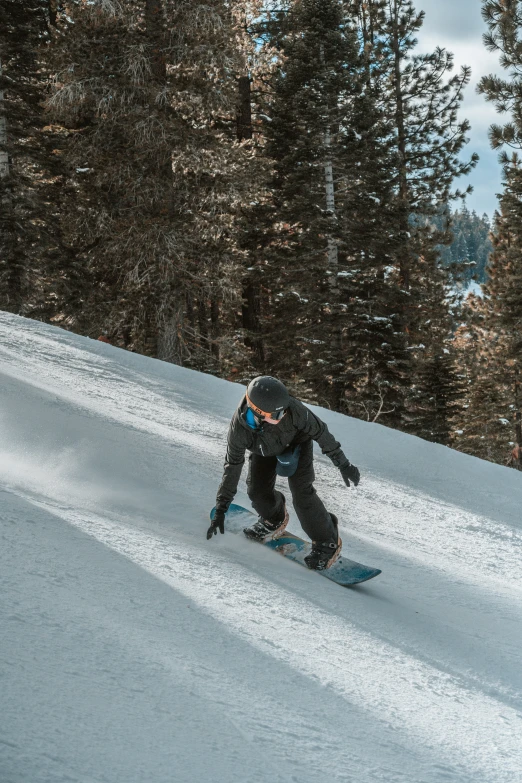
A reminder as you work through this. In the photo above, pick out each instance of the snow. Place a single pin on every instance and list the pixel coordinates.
(134, 651)
(475, 289)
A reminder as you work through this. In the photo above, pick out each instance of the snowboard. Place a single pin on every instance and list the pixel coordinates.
(344, 572)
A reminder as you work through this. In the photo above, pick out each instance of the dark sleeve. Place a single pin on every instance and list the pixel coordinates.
(311, 425)
(234, 461)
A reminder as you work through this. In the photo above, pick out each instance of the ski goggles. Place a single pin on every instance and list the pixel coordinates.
(271, 418)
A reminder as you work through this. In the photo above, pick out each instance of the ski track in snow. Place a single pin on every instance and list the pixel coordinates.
(414, 678)
(491, 549)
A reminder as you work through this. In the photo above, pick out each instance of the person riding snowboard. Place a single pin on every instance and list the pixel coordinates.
(278, 430)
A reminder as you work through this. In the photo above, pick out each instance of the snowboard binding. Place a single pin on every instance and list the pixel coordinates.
(264, 530)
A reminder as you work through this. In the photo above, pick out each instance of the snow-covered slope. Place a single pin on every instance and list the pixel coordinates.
(134, 651)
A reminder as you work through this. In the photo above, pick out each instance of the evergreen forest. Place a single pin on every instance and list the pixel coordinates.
(471, 246)
(249, 187)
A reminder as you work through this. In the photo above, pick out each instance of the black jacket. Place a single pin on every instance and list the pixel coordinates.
(297, 425)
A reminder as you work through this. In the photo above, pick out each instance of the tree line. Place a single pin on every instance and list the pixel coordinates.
(469, 252)
(246, 187)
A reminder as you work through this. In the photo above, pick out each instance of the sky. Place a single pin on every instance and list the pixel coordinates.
(457, 25)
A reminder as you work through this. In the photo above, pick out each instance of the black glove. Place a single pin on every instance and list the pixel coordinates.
(350, 473)
(217, 522)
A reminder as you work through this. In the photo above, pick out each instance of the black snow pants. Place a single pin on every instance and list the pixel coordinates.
(269, 503)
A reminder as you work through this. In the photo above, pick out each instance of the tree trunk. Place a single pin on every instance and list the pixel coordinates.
(366, 20)
(10, 261)
(251, 315)
(191, 317)
(155, 32)
(518, 415)
(214, 318)
(244, 109)
(251, 296)
(202, 322)
(52, 11)
(4, 155)
(404, 261)
(332, 256)
(332, 248)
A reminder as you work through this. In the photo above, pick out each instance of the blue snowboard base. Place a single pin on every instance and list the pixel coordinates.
(344, 572)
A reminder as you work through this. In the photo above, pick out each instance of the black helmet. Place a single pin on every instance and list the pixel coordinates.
(268, 394)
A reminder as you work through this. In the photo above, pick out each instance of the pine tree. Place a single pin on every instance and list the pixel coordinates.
(490, 342)
(30, 169)
(484, 423)
(437, 402)
(504, 20)
(251, 294)
(423, 98)
(378, 364)
(331, 235)
(258, 66)
(149, 89)
(437, 387)
(317, 69)
(504, 289)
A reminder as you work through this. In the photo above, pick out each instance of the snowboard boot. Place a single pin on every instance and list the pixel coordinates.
(265, 530)
(325, 553)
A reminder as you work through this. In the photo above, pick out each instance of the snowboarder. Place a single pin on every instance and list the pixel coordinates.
(278, 430)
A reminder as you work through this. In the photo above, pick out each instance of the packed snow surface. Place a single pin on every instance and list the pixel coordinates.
(133, 650)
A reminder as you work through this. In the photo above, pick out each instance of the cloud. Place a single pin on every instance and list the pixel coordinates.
(460, 19)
